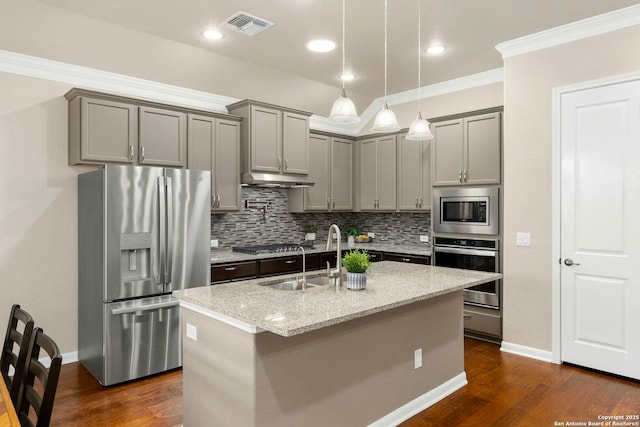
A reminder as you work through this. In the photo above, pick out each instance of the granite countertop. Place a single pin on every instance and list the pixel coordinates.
(220, 256)
(255, 308)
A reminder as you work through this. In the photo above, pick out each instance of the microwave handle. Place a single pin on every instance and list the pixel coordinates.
(478, 252)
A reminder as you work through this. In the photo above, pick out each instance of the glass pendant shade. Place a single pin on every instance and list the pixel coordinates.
(419, 130)
(343, 110)
(385, 121)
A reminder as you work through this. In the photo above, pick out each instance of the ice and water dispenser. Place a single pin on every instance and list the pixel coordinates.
(135, 258)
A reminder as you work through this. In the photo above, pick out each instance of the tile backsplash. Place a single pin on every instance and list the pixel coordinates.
(264, 218)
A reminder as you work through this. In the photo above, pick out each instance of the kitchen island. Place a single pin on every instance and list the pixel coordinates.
(257, 356)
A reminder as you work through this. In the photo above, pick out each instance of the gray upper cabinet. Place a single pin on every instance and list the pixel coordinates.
(162, 137)
(341, 174)
(102, 131)
(106, 128)
(273, 139)
(377, 173)
(332, 172)
(214, 145)
(295, 143)
(414, 174)
(468, 150)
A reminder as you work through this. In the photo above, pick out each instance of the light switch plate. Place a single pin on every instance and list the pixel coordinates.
(417, 359)
(371, 234)
(214, 243)
(523, 239)
(424, 238)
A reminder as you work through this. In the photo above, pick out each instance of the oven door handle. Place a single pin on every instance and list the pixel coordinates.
(460, 251)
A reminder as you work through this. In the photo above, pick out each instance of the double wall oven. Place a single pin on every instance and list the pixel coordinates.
(466, 231)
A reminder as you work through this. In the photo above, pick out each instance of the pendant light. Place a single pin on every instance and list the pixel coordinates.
(385, 119)
(419, 129)
(343, 110)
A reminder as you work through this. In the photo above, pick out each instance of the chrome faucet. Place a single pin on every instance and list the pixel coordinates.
(337, 273)
(304, 268)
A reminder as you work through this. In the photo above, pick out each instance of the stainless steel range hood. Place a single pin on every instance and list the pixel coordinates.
(275, 180)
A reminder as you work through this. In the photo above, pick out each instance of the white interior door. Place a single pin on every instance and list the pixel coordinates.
(600, 228)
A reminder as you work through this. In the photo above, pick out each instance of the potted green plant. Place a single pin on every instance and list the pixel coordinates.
(356, 262)
(310, 231)
(351, 232)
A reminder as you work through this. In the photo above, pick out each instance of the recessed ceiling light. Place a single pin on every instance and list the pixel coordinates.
(347, 76)
(212, 34)
(436, 50)
(321, 45)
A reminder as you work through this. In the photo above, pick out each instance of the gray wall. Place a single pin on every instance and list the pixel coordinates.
(248, 227)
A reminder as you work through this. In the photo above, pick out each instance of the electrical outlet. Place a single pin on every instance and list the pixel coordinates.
(417, 359)
(192, 332)
(424, 238)
(371, 234)
(523, 239)
(214, 243)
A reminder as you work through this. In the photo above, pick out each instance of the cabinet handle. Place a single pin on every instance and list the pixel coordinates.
(417, 203)
(460, 175)
(420, 201)
(213, 202)
(291, 261)
(217, 200)
(230, 268)
(464, 175)
(131, 152)
(334, 202)
(142, 153)
(328, 203)
(286, 163)
(405, 259)
(279, 163)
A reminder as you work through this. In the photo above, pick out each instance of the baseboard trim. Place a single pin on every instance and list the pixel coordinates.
(530, 352)
(421, 403)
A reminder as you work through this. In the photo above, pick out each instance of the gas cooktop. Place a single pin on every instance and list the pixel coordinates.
(271, 248)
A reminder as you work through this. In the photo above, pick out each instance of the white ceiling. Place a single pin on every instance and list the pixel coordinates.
(469, 28)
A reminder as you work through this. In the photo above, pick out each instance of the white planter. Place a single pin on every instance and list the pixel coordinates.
(310, 236)
(356, 281)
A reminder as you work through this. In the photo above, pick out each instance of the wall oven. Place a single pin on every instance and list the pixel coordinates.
(473, 210)
(472, 254)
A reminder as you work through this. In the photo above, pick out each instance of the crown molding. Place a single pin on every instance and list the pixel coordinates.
(89, 78)
(97, 80)
(599, 24)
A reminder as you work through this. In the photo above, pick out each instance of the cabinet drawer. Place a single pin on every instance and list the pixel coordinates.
(227, 272)
(485, 323)
(290, 264)
(413, 259)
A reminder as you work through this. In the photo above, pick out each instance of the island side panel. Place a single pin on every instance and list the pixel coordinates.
(352, 373)
(218, 375)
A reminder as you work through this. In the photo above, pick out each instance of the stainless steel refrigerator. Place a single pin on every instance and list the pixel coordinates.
(143, 232)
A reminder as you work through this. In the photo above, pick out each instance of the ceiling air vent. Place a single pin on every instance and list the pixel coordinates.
(247, 24)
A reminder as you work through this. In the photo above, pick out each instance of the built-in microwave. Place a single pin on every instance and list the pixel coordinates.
(468, 210)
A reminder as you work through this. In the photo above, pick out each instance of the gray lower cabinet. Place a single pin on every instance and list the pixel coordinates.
(214, 145)
(377, 173)
(468, 150)
(162, 137)
(414, 175)
(331, 169)
(274, 139)
(102, 131)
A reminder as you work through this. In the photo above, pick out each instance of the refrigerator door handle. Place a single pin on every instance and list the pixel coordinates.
(162, 200)
(150, 307)
(169, 248)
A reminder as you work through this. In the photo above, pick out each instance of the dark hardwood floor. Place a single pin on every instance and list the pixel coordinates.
(503, 390)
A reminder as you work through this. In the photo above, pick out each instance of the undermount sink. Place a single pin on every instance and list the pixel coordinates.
(296, 285)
